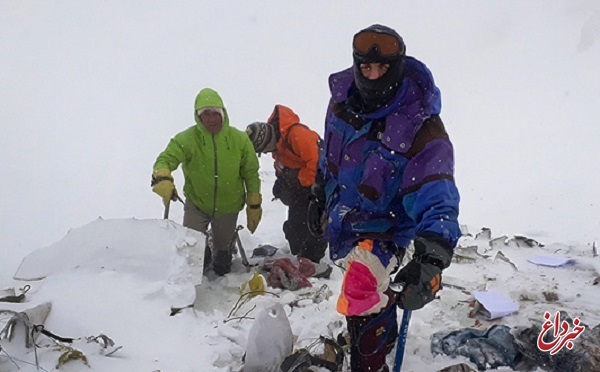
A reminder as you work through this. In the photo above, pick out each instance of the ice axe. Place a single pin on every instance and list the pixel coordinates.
(166, 213)
(235, 245)
(175, 197)
(238, 241)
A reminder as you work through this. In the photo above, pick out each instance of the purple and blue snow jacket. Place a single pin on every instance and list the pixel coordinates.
(389, 174)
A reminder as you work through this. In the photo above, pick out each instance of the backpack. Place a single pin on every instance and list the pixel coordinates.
(320, 143)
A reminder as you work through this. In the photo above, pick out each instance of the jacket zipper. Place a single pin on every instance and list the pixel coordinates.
(216, 176)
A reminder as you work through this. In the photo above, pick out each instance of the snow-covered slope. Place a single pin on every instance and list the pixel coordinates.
(124, 294)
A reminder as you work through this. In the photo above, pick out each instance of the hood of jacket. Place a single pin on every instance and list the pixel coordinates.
(208, 97)
(283, 117)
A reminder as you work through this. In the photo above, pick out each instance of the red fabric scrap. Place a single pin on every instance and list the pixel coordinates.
(284, 274)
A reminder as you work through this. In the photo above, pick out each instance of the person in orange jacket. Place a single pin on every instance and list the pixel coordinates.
(295, 149)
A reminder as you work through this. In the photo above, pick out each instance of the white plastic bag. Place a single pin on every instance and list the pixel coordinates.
(270, 341)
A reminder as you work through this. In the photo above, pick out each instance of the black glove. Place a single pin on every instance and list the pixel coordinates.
(280, 191)
(421, 278)
(287, 186)
(316, 210)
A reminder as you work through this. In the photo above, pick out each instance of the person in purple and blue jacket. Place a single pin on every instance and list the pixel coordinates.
(386, 179)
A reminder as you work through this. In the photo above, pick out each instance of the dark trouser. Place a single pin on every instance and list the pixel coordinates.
(372, 337)
(302, 242)
(222, 232)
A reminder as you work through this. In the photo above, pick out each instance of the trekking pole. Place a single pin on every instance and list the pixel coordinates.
(403, 332)
(401, 343)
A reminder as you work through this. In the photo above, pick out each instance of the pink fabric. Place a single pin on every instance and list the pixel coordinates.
(360, 289)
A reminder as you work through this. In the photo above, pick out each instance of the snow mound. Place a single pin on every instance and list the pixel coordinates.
(153, 250)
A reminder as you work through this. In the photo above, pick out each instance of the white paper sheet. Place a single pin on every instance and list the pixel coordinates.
(554, 261)
(495, 305)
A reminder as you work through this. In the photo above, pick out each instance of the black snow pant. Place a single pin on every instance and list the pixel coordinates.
(302, 243)
(372, 337)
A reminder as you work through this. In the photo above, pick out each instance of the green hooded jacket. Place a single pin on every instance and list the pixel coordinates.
(218, 168)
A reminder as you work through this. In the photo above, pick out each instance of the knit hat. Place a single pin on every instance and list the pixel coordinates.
(218, 110)
(263, 136)
(378, 44)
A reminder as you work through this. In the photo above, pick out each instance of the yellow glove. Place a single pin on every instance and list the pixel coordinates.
(162, 184)
(255, 286)
(253, 210)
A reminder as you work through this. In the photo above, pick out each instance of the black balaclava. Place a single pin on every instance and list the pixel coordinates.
(376, 93)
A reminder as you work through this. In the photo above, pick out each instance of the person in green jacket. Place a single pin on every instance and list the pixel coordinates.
(220, 169)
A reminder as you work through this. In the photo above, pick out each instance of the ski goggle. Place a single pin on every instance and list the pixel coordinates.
(387, 45)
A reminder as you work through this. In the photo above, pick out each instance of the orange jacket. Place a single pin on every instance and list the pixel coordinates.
(297, 147)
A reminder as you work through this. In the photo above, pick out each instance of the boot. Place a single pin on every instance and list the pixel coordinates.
(221, 262)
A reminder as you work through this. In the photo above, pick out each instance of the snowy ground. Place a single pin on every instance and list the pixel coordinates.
(127, 294)
(90, 92)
